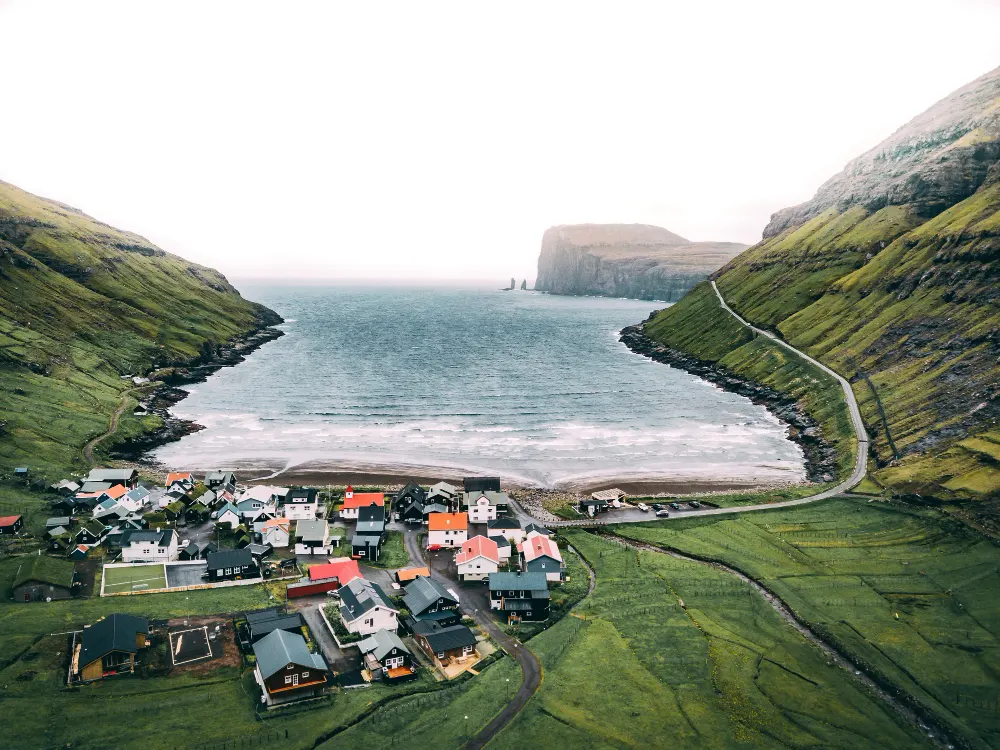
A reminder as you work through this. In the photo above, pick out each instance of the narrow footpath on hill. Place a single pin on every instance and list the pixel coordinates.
(88, 449)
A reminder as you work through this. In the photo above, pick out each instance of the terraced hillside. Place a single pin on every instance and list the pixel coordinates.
(83, 303)
(890, 276)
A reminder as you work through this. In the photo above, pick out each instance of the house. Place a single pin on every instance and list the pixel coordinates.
(180, 478)
(259, 552)
(65, 487)
(10, 525)
(426, 599)
(196, 514)
(481, 484)
(228, 514)
(365, 608)
(220, 479)
(262, 624)
(109, 647)
(411, 493)
(369, 533)
(354, 501)
(231, 565)
(613, 496)
(410, 510)
(325, 577)
(445, 494)
(504, 548)
(520, 596)
(251, 508)
(91, 533)
(540, 554)
(80, 552)
(312, 537)
(174, 511)
(300, 503)
(534, 528)
(40, 578)
(384, 651)
(56, 521)
(93, 489)
(276, 532)
(431, 508)
(478, 558)
(62, 542)
(285, 668)
(592, 507)
(479, 506)
(406, 575)
(445, 645)
(136, 499)
(127, 477)
(447, 530)
(191, 552)
(149, 545)
(506, 527)
(266, 494)
(372, 513)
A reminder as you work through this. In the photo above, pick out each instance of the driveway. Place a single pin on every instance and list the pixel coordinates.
(185, 575)
(337, 658)
(201, 534)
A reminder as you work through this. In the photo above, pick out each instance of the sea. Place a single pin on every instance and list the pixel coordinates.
(533, 387)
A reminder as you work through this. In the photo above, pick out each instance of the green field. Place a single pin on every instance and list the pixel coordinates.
(909, 593)
(632, 666)
(137, 578)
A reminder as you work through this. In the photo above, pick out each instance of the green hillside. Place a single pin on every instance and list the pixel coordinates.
(890, 275)
(81, 304)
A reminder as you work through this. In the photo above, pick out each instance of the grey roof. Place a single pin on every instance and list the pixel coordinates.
(504, 581)
(360, 596)
(191, 550)
(451, 637)
(504, 523)
(370, 527)
(58, 531)
(495, 498)
(422, 592)
(90, 486)
(270, 620)
(371, 514)
(57, 521)
(228, 558)
(435, 508)
(65, 484)
(301, 495)
(500, 541)
(381, 643)
(311, 530)
(534, 527)
(111, 475)
(113, 633)
(138, 495)
(280, 648)
(366, 540)
(162, 537)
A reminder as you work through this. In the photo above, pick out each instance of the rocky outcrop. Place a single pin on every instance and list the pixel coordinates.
(626, 260)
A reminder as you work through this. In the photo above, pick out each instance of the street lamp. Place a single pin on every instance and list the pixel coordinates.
(508, 688)
(466, 726)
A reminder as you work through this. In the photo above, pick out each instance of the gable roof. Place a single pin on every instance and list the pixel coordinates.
(282, 523)
(381, 643)
(228, 558)
(116, 491)
(518, 581)
(371, 513)
(478, 546)
(228, 507)
(539, 545)
(443, 488)
(111, 475)
(44, 569)
(409, 574)
(301, 495)
(534, 528)
(262, 623)
(280, 648)
(504, 523)
(423, 592)
(93, 527)
(9, 520)
(138, 495)
(162, 538)
(113, 633)
(178, 476)
(264, 492)
(443, 521)
(370, 528)
(344, 570)
(360, 596)
(362, 499)
(452, 637)
(312, 530)
(500, 541)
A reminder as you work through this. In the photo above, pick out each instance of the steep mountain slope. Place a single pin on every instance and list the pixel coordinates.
(83, 303)
(626, 260)
(890, 276)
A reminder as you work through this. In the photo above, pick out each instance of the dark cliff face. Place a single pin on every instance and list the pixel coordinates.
(626, 260)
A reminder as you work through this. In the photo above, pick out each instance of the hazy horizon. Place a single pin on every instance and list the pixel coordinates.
(438, 142)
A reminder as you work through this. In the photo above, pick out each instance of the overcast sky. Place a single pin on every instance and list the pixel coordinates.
(439, 140)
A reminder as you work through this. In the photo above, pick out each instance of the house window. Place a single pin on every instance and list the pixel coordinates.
(229, 571)
(304, 675)
(288, 679)
(440, 654)
(466, 650)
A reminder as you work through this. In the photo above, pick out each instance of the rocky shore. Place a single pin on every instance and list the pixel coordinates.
(160, 399)
(820, 456)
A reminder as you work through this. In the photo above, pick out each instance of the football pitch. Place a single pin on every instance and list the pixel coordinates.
(135, 578)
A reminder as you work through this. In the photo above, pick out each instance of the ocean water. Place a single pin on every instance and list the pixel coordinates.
(533, 387)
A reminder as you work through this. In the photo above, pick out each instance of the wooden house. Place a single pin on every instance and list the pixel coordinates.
(286, 670)
(10, 525)
(520, 596)
(109, 647)
(231, 565)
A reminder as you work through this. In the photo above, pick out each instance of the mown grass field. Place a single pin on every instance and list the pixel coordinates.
(632, 666)
(907, 592)
(135, 578)
(393, 551)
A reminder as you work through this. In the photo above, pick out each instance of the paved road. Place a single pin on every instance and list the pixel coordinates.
(860, 460)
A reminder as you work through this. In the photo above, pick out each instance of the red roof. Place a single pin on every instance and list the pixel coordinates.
(443, 521)
(539, 545)
(345, 571)
(478, 546)
(175, 476)
(8, 520)
(364, 499)
(115, 492)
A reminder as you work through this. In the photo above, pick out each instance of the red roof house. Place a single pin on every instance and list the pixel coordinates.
(10, 524)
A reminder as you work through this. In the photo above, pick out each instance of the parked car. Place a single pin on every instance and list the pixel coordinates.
(675, 506)
(335, 594)
(642, 506)
(656, 506)
(695, 504)
(663, 514)
(184, 543)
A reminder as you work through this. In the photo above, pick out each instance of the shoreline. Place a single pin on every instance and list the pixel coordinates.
(803, 430)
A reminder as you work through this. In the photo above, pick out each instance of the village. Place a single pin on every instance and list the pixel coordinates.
(368, 586)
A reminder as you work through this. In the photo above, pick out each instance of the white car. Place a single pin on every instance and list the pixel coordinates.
(184, 543)
(642, 506)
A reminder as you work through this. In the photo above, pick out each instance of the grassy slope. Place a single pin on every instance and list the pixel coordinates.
(849, 568)
(632, 667)
(82, 303)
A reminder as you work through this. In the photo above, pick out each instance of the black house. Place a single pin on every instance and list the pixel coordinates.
(592, 507)
(409, 510)
(520, 596)
(264, 623)
(411, 493)
(481, 484)
(231, 565)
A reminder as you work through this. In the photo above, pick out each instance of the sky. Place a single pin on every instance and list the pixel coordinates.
(437, 141)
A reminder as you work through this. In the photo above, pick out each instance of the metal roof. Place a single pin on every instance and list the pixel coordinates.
(114, 633)
(423, 592)
(517, 581)
(278, 649)
(381, 643)
(452, 637)
(360, 596)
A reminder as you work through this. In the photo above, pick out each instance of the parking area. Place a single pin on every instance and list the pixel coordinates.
(186, 575)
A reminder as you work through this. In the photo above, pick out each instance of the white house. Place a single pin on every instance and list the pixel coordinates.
(447, 530)
(365, 608)
(228, 514)
(267, 494)
(353, 501)
(300, 504)
(148, 545)
(480, 507)
(312, 537)
(477, 559)
(504, 546)
(276, 532)
(506, 527)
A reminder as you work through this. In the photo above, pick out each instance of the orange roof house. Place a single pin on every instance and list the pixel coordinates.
(345, 571)
(478, 546)
(447, 521)
(177, 476)
(364, 499)
(539, 545)
(405, 575)
(116, 492)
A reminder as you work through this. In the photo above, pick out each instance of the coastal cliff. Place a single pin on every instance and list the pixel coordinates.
(626, 260)
(889, 275)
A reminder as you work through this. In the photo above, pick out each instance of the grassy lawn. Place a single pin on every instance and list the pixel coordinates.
(393, 552)
(135, 578)
(564, 596)
(905, 591)
(632, 665)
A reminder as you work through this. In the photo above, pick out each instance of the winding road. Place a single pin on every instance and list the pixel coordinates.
(88, 449)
